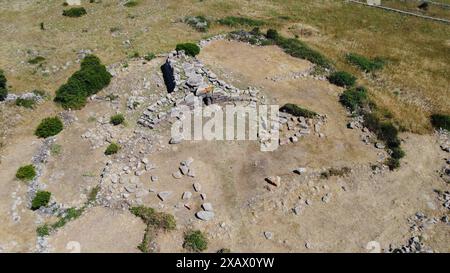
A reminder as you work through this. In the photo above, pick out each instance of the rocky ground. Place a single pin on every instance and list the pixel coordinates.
(325, 189)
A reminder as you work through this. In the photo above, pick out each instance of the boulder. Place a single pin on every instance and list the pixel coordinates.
(164, 195)
(186, 195)
(207, 207)
(274, 180)
(197, 187)
(205, 215)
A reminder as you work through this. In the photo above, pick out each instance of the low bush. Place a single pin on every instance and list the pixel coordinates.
(91, 78)
(384, 130)
(92, 196)
(342, 78)
(49, 127)
(74, 12)
(233, 21)
(392, 163)
(441, 121)
(36, 60)
(354, 98)
(189, 48)
(298, 49)
(272, 34)
(335, 172)
(43, 230)
(365, 64)
(117, 119)
(3, 93)
(3, 86)
(195, 240)
(131, 3)
(397, 153)
(27, 103)
(200, 23)
(69, 215)
(112, 148)
(40, 200)
(159, 220)
(149, 56)
(297, 111)
(26, 173)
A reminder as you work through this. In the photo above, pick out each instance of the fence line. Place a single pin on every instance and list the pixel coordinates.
(403, 12)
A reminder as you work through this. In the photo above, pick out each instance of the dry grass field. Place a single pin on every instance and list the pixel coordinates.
(414, 84)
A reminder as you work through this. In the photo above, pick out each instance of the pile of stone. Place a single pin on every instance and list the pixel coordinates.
(414, 245)
(102, 134)
(191, 83)
(293, 128)
(26, 96)
(185, 169)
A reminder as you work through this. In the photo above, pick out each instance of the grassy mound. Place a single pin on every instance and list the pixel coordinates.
(117, 119)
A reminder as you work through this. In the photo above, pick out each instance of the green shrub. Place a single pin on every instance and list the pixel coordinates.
(90, 79)
(297, 111)
(93, 194)
(131, 3)
(354, 98)
(117, 119)
(397, 153)
(43, 230)
(441, 121)
(272, 34)
(26, 173)
(233, 21)
(55, 149)
(36, 60)
(195, 240)
(112, 148)
(40, 200)
(392, 163)
(74, 12)
(49, 127)
(27, 103)
(69, 215)
(3, 93)
(189, 48)
(364, 63)
(384, 130)
(3, 87)
(300, 50)
(149, 56)
(155, 219)
(342, 78)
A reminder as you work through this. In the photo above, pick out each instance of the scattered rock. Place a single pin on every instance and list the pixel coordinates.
(197, 187)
